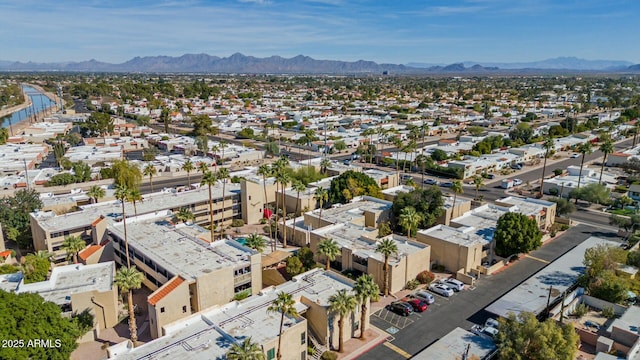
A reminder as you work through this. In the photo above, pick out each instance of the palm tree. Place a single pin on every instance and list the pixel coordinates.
(96, 192)
(128, 279)
(457, 189)
(478, 181)
(209, 179)
(246, 350)
(366, 289)
(44, 254)
(265, 171)
(149, 171)
(321, 195)
(255, 242)
(343, 304)
(584, 149)
(203, 167)
(222, 145)
(283, 178)
(369, 132)
(134, 195)
(324, 164)
(607, 148)
(409, 219)
(547, 145)
(298, 187)
(386, 247)
(184, 215)
(398, 144)
(311, 137)
(223, 175)
(408, 148)
(285, 305)
(329, 248)
(188, 167)
(73, 245)
(122, 193)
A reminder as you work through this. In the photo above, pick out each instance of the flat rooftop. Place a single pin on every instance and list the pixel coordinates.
(483, 219)
(72, 279)
(465, 235)
(355, 209)
(531, 295)
(208, 334)
(454, 344)
(181, 249)
(527, 206)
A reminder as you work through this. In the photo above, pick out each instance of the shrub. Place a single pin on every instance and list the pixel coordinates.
(237, 223)
(412, 284)
(329, 355)
(438, 268)
(558, 172)
(608, 312)
(425, 277)
(263, 221)
(554, 191)
(242, 295)
(311, 351)
(580, 310)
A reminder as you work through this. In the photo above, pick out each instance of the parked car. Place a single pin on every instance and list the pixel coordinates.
(417, 305)
(516, 167)
(441, 289)
(447, 184)
(574, 156)
(455, 284)
(430, 182)
(406, 177)
(347, 162)
(400, 308)
(424, 296)
(517, 182)
(491, 176)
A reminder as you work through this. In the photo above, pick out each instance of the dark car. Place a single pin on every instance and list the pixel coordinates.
(400, 308)
(447, 184)
(417, 305)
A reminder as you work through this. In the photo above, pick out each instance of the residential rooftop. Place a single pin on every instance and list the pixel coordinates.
(454, 344)
(355, 209)
(465, 235)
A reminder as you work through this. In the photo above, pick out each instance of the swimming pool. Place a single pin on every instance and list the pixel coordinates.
(241, 240)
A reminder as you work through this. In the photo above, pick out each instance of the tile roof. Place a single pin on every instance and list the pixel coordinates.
(165, 289)
(5, 253)
(86, 253)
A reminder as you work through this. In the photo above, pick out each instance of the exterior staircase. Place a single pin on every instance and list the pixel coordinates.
(315, 344)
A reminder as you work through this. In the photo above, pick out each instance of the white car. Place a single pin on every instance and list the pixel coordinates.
(424, 296)
(441, 289)
(575, 156)
(517, 182)
(455, 284)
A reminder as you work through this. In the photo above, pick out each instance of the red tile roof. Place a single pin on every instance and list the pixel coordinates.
(86, 253)
(5, 254)
(164, 290)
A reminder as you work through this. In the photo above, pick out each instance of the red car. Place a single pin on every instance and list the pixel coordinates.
(417, 305)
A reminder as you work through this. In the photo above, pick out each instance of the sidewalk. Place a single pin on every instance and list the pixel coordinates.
(355, 347)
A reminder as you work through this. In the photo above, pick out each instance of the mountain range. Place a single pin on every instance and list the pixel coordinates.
(239, 63)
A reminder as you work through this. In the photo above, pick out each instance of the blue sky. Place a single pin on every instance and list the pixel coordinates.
(399, 31)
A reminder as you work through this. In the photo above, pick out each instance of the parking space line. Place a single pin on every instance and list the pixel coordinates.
(538, 259)
(396, 349)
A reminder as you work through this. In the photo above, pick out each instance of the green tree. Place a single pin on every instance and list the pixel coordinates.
(321, 195)
(256, 242)
(184, 215)
(324, 165)
(271, 149)
(26, 317)
(188, 167)
(563, 206)
(548, 145)
(247, 350)
(4, 136)
(210, 179)
(127, 279)
(72, 245)
(523, 337)
(428, 203)
(58, 152)
(133, 196)
(478, 182)
(607, 148)
(593, 193)
(522, 132)
(350, 184)
(126, 174)
(95, 193)
(97, 124)
(515, 234)
(223, 175)
(286, 306)
(584, 149)
(409, 219)
(387, 248)
(339, 146)
(294, 266)
(203, 125)
(439, 155)
(343, 304)
(366, 290)
(456, 189)
(14, 215)
(35, 268)
(330, 249)
(150, 171)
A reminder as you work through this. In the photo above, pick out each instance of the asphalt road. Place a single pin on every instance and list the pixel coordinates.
(467, 307)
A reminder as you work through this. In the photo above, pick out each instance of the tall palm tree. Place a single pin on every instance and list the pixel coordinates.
(133, 196)
(330, 249)
(127, 279)
(324, 164)
(222, 145)
(457, 189)
(398, 144)
(73, 245)
(366, 289)
(96, 192)
(408, 148)
(210, 179)
(607, 148)
(283, 178)
(343, 304)
(298, 187)
(265, 171)
(386, 247)
(369, 132)
(122, 194)
(223, 175)
(478, 182)
(215, 149)
(547, 145)
(255, 242)
(246, 350)
(409, 219)
(203, 167)
(321, 195)
(149, 171)
(584, 149)
(285, 305)
(184, 215)
(188, 167)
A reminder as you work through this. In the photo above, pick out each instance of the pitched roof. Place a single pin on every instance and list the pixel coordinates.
(86, 253)
(165, 289)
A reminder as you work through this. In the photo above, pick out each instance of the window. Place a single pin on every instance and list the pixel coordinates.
(249, 197)
(162, 309)
(303, 338)
(303, 355)
(271, 354)
(184, 309)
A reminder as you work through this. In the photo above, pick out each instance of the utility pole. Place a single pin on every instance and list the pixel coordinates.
(548, 300)
(26, 173)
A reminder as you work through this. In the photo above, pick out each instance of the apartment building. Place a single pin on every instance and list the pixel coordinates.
(186, 272)
(544, 212)
(209, 333)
